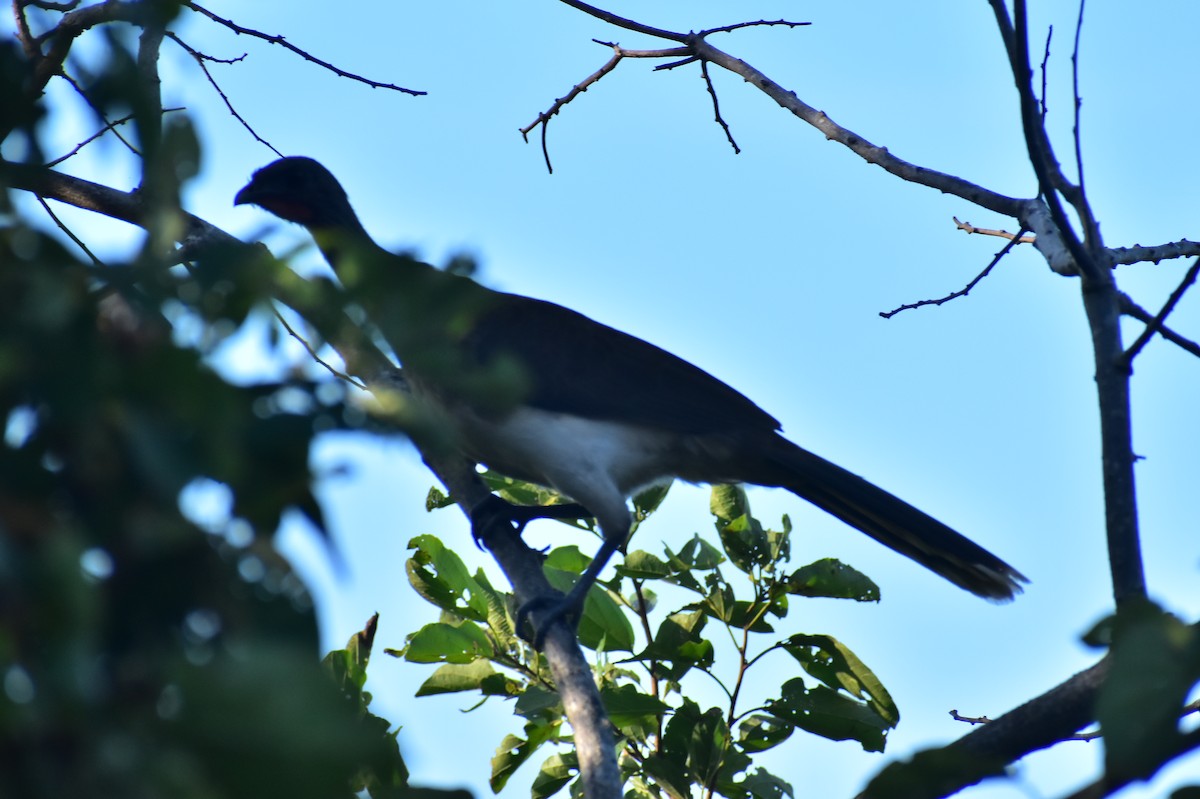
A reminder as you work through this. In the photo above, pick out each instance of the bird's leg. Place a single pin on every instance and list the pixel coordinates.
(570, 607)
(494, 509)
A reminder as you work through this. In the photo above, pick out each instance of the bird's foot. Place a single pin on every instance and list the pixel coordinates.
(551, 609)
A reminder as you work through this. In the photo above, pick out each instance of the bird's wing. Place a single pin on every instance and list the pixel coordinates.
(585, 368)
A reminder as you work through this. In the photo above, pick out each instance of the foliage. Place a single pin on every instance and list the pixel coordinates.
(152, 643)
(670, 745)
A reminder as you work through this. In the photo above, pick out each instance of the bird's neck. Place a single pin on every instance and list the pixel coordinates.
(345, 242)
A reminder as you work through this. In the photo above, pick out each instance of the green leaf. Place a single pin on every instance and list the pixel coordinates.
(641, 565)
(647, 501)
(567, 559)
(439, 575)
(721, 605)
(702, 741)
(514, 751)
(697, 554)
(748, 545)
(835, 716)
(1155, 663)
(759, 784)
(831, 578)
(728, 502)
(832, 662)
(539, 702)
(477, 675)
(556, 771)
(634, 713)
(678, 641)
(759, 733)
(437, 499)
(447, 643)
(669, 772)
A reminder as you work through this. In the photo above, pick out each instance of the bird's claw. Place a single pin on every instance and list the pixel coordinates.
(561, 609)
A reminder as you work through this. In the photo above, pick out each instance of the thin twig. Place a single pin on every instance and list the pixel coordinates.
(966, 289)
(1082, 206)
(757, 24)
(51, 6)
(200, 59)
(69, 233)
(107, 127)
(717, 108)
(312, 353)
(100, 113)
(1156, 323)
(1131, 308)
(1045, 66)
(543, 118)
(983, 231)
(973, 720)
(280, 40)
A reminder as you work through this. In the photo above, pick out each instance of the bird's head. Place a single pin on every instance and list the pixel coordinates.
(299, 190)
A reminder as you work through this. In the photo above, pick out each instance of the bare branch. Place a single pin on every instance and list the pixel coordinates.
(312, 353)
(1102, 305)
(1131, 308)
(70, 27)
(1037, 724)
(973, 720)
(758, 24)
(869, 152)
(68, 232)
(967, 227)
(966, 289)
(1156, 323)
(52, 6)
(107, 127)
(1081, 204)
(627, 24)
(576, 90)
(1110, 784)
(100, 113)
(717, 107)
(200, 59)
(280, 40)
(1159, 252)
(1045, 65)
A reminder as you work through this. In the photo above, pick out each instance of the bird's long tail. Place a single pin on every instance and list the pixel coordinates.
(892, 522)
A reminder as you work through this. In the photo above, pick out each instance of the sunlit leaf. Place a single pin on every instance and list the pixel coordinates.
(832, 578)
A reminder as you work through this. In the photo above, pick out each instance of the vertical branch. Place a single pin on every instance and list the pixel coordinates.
(1102, 304)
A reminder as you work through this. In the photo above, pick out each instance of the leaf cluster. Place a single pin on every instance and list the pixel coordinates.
(647, 657)
(152, 642)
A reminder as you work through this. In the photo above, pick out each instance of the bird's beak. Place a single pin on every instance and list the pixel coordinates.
(246, 195)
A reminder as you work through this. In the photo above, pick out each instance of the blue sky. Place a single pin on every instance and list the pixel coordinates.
(768, 269)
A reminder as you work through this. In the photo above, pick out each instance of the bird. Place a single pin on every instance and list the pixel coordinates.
(592, 412)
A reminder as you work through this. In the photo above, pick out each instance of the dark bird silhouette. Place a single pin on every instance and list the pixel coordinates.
(597, 414)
